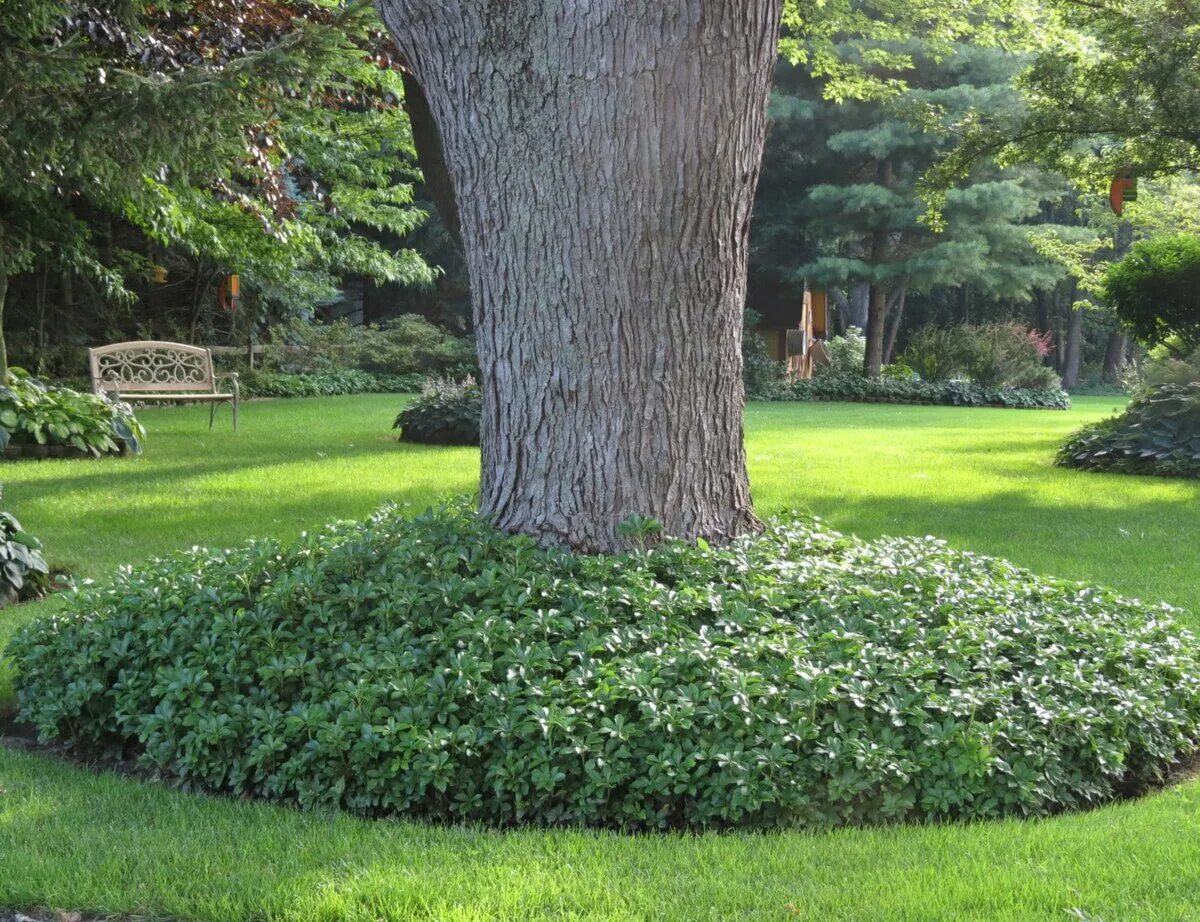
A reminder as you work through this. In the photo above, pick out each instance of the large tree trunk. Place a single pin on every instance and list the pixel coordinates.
(604, 158)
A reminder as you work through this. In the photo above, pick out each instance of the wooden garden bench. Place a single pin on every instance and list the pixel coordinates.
(152, 371)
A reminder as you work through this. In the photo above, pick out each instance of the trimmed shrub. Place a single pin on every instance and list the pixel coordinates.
(38, 419)
(1159, 433)
(446, 413)
(327, 384)
(859, 389)
(436, 667)
(1155, 290)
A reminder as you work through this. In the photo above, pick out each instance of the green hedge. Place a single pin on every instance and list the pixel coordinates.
(1159, 433)
(326, 384)
(435, 667)
(860, 389)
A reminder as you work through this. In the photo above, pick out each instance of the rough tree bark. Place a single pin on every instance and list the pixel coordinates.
(604, 157)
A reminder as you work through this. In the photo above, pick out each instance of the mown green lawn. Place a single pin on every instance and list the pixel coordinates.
(981, 478)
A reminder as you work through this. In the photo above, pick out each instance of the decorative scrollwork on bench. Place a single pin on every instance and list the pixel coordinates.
(138, 366)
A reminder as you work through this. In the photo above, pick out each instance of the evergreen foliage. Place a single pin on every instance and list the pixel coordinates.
(259, 137)
(840, 204)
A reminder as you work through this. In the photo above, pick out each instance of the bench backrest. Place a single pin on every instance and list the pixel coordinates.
(152, 367)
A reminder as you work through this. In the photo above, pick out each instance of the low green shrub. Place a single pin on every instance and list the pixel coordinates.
(760, 372)
(35, 413)
(23, 570)
(992, 355)
(1159, 433)
(859, 389)
(436, 667)
(406, 345)
(326, 384)
(446, 413)
(847, 354)
(1163, 365)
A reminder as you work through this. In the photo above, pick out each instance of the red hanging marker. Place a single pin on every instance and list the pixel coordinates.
(1122, 190)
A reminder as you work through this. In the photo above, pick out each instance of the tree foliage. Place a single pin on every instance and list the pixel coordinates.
(260, 136)
(1155, 290)
(1116, 90)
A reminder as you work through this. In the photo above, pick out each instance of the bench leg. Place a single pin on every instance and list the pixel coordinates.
(212, 413)
(235, 412)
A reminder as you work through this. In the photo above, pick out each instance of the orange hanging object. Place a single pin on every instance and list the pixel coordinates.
(160, 275)
(1122, 190)
(229, 291)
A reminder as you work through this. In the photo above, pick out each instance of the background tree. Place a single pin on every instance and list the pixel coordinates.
(840, 205)
(1116, 90)
(293, 128)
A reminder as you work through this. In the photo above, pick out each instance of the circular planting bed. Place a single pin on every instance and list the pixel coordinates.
(434, 667)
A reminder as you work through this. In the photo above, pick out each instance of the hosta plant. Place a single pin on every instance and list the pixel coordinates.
(23, 570)
(34, 413)
(446, 413)
(1159, 433)
(438, 668)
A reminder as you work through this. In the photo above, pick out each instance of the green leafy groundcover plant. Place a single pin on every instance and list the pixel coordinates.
(24, 573)
(1159, 433)
(447, 412)
(860, 389)
(435, 667)
(36, 413)
(327, 384)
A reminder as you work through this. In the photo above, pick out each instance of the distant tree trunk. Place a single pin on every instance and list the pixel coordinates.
(852, 307)
(3, 344)
(604, 158)
(876, 325)
(1042, 309)
(1114, 356)
(900, 297)
(878, 307)
(432, 157)
(1070, 372)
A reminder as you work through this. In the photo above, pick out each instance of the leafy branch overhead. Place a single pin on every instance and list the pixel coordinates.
(262, 136)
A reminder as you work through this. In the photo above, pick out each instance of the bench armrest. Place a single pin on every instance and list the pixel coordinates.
(232, 377)
(109, 388)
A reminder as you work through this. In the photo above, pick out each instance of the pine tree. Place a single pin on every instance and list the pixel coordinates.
(259, 135)
(841, 179)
